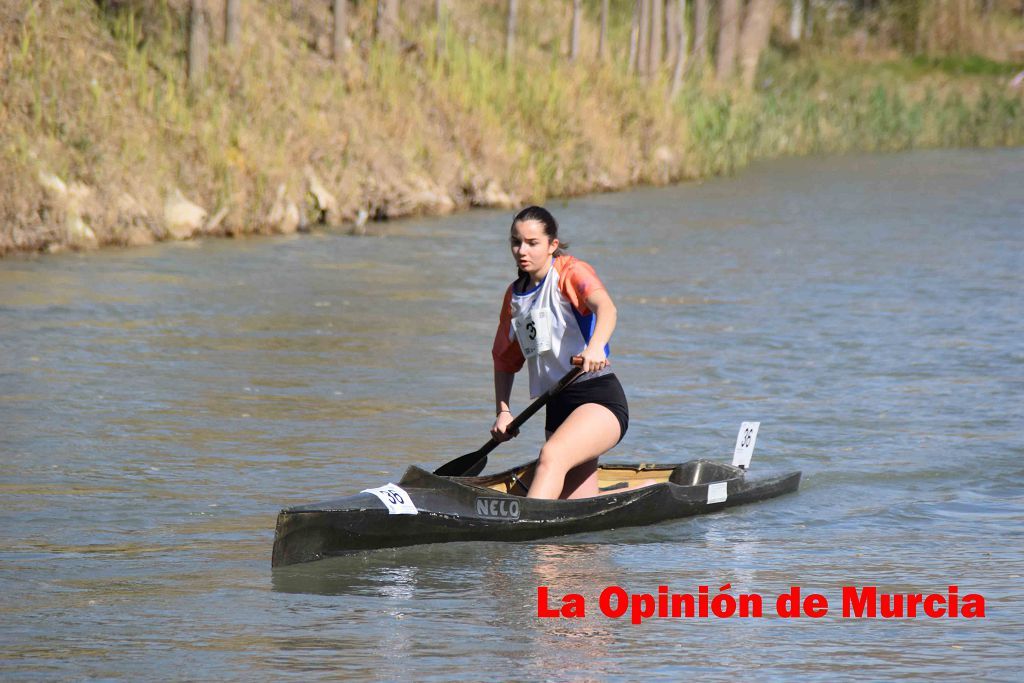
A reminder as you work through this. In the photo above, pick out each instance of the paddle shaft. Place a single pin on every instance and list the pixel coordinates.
(472, 463)
(532, 409)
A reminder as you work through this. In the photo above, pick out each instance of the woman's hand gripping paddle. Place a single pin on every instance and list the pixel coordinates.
(471, 464)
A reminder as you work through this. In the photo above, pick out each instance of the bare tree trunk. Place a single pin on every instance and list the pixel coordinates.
(683, 45)
(757, 29)
(962, 31)
(198, 43)
(385, 24)
(339, 42)
(602, 46)
(634, 38)
(442, 29)
(701, 28)
(728, 37)
(510, 33)
(671, 36)
(657, 32)
(918, 32)
(796, 20)
(574, 39)
(232, 22)
(643, 59)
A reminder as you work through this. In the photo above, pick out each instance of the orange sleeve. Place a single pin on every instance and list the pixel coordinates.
(508, 357)
(577, 280)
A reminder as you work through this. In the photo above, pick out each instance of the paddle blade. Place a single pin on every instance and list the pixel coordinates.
(468, 465)
(477, 468)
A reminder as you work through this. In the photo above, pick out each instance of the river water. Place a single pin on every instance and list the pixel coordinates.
(159, 405)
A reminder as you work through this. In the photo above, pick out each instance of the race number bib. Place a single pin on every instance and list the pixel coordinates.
(395, 498)
(533, 330)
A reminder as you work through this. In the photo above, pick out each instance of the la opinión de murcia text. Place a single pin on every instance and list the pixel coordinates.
(857, 602)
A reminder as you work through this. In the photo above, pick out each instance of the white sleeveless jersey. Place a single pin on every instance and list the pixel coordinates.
(546, 326)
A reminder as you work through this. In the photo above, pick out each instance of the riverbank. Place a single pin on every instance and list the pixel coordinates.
(106, 145)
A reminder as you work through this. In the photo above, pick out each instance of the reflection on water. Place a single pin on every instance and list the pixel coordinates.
(158, 406)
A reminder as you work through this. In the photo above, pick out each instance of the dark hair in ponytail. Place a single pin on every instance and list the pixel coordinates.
(544, 217)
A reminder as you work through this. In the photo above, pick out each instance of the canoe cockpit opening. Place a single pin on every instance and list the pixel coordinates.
(610, 478)
(701, 472)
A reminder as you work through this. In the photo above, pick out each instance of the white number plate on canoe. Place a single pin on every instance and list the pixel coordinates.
(718, 492)
(398, 501)
(745, 444)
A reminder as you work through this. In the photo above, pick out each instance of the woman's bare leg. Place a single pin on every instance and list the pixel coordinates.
(588, 432)
(581, 481)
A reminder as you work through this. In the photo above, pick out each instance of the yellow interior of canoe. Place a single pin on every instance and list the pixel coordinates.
(609, 479)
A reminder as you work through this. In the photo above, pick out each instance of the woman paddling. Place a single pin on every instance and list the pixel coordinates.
(556, 309)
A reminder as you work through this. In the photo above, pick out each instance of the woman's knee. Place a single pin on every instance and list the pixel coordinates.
(552, 459)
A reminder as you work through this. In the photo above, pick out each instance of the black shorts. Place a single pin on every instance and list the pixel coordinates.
(604, 390)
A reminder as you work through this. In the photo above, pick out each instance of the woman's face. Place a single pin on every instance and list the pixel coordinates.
(531, 248)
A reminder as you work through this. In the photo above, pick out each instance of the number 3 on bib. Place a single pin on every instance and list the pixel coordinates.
(533, 330)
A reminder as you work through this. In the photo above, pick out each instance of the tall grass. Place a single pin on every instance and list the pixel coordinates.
(106, 102)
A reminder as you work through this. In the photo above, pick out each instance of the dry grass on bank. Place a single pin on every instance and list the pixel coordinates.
(100, 132)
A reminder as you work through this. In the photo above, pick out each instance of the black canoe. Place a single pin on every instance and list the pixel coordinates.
(492, 508)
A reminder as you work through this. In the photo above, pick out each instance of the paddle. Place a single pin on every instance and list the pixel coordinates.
(471, 464)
